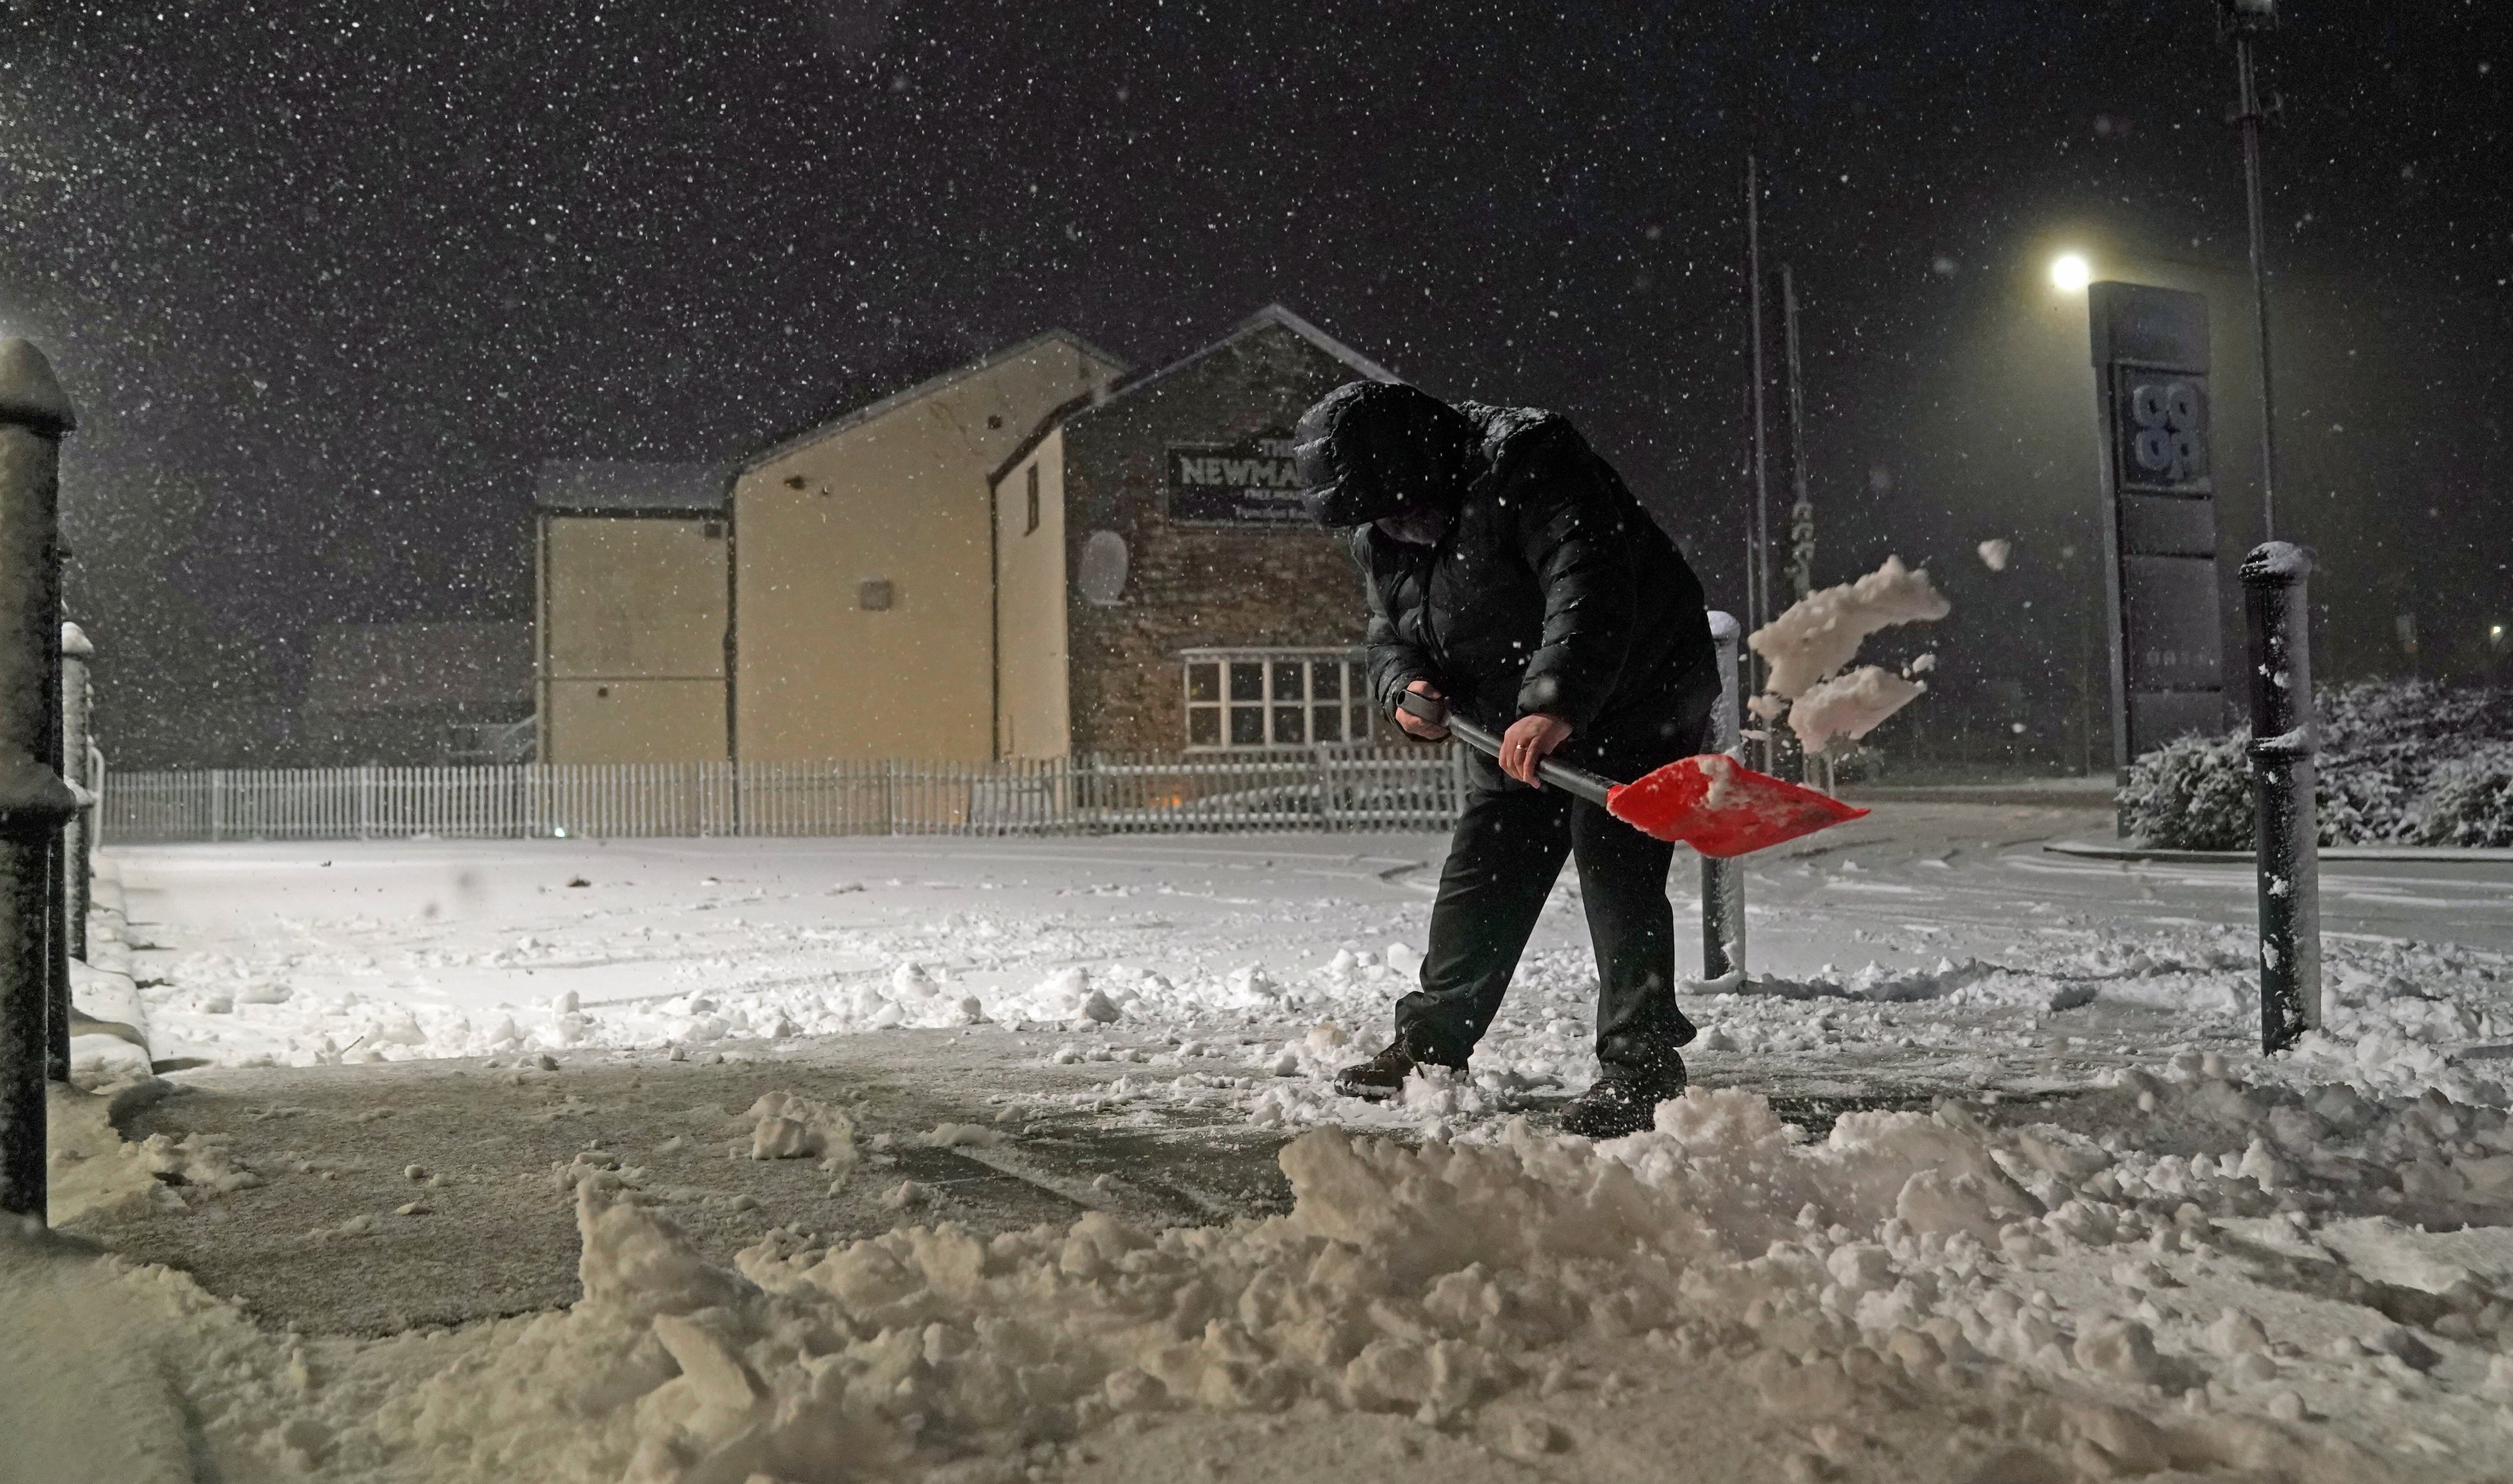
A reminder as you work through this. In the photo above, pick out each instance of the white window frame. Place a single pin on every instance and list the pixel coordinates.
(1358, 714)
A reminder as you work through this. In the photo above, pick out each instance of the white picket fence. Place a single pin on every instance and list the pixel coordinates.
(1357, 787)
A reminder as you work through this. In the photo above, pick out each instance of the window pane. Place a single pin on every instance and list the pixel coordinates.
(1204, 682)
(1365, 724)
(1248, 726)
(1290, 726)
(1328, 684)
(1330, 721)
(1204, 727)
(1247, 680)
(1290, 680)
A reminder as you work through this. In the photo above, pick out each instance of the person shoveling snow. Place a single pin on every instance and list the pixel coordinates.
(1511, 577)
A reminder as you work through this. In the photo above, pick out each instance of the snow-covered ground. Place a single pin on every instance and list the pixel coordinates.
(1928, 948)
(2119, 1244)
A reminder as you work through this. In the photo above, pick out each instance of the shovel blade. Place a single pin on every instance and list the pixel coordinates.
(1722, 807)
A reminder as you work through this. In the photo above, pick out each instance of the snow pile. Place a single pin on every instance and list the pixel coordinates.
(91, 1169)
(2174, 1273)
(1820, 633)
(229, 1008)
(790, 1126)
(2401, 762)
(2400, 1019)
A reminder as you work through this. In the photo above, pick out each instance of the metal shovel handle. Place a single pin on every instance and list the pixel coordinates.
(1578, 783)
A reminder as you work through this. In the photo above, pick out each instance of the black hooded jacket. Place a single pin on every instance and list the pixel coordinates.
(1550, 590)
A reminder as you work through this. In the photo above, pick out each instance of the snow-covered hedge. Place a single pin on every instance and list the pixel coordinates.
(2469, 800)
(2192, 794)
(2412, 762)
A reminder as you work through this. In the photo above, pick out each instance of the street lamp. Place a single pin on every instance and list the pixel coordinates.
(2070, 272)
(2241, 22)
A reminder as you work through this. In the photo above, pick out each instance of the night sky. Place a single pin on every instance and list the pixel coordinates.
(326, 280)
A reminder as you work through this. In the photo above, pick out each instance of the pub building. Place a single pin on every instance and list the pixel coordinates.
(1032, 555)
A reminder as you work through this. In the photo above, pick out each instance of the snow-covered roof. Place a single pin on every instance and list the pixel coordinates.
(819, 431)
(625, 487)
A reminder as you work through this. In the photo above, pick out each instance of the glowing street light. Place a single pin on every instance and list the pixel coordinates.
(2070, 272)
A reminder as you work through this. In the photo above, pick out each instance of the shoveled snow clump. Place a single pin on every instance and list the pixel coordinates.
(1820, 632)
(1847, 708)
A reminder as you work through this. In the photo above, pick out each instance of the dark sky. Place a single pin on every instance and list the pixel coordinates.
(327, 279)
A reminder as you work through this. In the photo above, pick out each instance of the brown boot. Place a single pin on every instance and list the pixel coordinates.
(1383, 1075)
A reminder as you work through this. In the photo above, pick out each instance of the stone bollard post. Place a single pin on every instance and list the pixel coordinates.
(2285, 736)
(78, 847)
(34, 802)
(1723, 882)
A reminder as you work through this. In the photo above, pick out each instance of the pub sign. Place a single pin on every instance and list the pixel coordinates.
(1252, 483)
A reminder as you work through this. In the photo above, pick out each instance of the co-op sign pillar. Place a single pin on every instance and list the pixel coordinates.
(2158, 515)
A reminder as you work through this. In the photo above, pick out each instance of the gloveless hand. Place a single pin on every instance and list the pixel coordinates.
(1529, 740)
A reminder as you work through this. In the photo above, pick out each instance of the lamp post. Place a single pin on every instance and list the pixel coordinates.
(2241, 21)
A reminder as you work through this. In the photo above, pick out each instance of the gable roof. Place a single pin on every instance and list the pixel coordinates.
(625, 487)
(1047, 424)
(819, 431)
(1280, 316)
(1273, 316)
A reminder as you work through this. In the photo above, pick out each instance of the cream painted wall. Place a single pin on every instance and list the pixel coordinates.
(1033, 717)
(635, 721)
(901, 497)
(631, 640)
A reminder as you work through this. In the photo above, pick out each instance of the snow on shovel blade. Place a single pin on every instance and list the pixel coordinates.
(1720, 806)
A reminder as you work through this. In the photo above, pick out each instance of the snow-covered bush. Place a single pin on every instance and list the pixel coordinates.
(2469, 800)
(2192, 794)
(2401, 761)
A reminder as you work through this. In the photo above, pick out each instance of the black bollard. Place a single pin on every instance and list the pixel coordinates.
(2285, 736)
(77, 733)
(57, 875)
(34, 802)
(1723, 882)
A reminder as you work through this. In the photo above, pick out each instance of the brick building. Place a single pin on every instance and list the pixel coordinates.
(1157, 586)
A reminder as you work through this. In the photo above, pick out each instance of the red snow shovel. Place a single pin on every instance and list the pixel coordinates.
(1713, 803)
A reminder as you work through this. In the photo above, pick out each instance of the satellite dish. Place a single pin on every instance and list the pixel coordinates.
(1102, 578)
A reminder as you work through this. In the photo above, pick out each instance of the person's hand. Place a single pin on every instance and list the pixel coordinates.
(1529, 740)
(1415, 725)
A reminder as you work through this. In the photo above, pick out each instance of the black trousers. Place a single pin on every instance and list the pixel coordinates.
(1502, 861)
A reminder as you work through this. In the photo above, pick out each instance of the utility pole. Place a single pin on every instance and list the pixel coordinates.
(1758, 569)
(2241, 21)
(1802, 507)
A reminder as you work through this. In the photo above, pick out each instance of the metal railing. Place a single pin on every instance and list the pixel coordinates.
(1326, 787)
